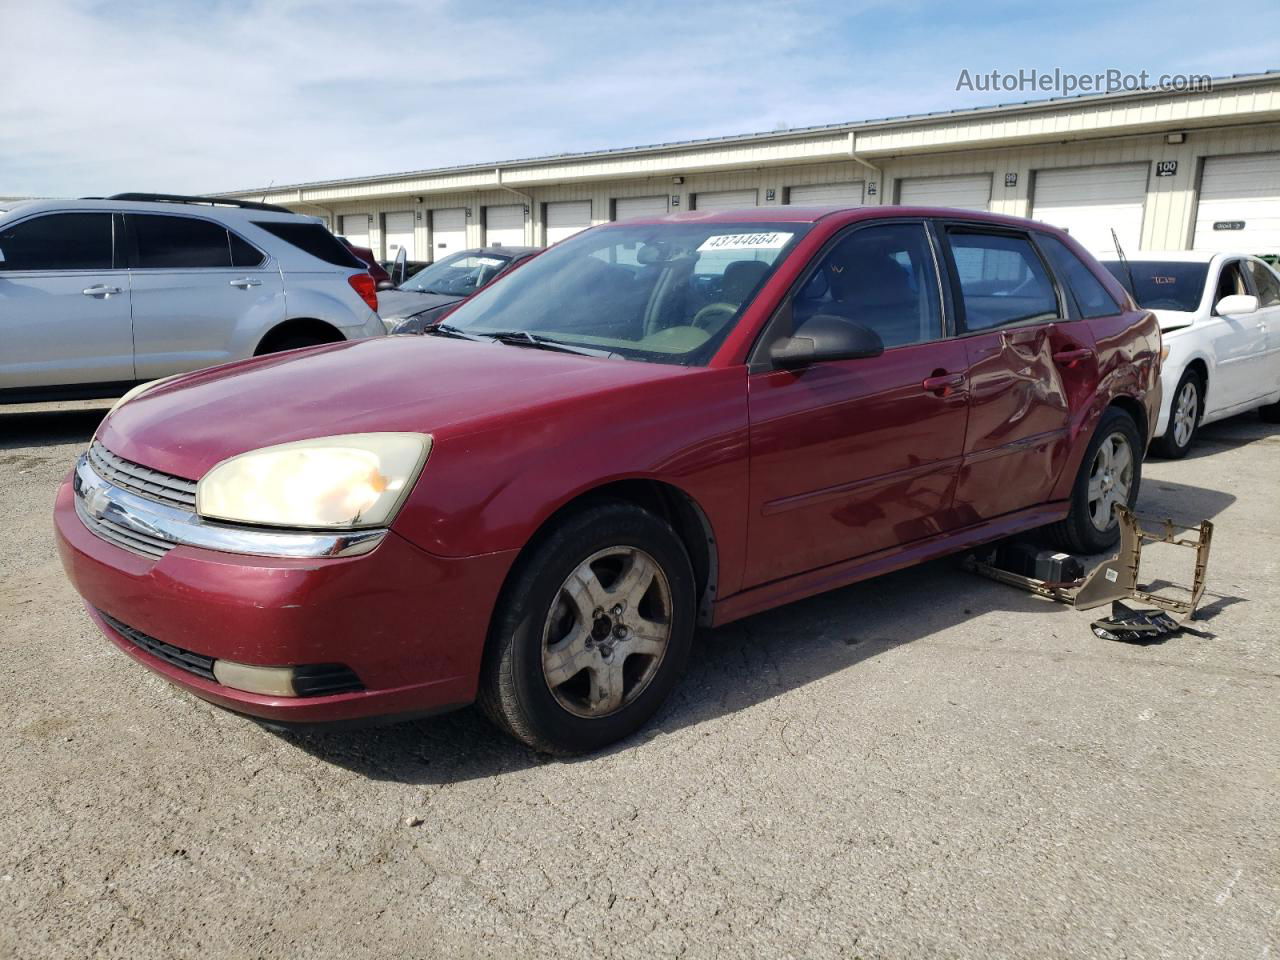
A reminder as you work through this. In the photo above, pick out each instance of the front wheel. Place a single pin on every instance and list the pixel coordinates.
(1109, 476)
(592, 633)
(1185, 411)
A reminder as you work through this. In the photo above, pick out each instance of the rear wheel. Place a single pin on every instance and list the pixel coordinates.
(1186, 407)
(592, 633)
(293, 342)
(1271, 412)
(1109, 476)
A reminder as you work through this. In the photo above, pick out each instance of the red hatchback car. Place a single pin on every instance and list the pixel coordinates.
(654, 425)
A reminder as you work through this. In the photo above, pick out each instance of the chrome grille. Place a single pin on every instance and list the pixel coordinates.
(133, 540)
(145, 482)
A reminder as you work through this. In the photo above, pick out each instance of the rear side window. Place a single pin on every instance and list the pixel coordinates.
(243, 253)
(1002, 280)
(1265, 281)
(58, 241)
(314, 239)
(179, 242)
(1091, 296)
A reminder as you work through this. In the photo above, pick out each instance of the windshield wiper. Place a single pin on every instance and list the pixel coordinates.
(523, 338)
(446, 330)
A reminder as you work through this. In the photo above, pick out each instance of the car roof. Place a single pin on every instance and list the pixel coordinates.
(212, 211)
(785, 213)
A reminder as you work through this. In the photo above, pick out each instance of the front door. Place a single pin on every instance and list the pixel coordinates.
(1027, 363)
(855, 456)
(201, 294)
(64, 305)
(1266, 285)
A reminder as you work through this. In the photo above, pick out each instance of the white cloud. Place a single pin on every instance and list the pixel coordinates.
(101, 97)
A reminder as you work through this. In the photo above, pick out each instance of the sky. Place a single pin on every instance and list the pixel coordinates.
(102, 96)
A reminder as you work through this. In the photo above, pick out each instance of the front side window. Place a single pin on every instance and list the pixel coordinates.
(1230, 281)
(460, 275)
(179, 242)
(882, 277)
(1091, 296)
(58, 241)
(1002, 280)
(1265, 282)
(664, 292)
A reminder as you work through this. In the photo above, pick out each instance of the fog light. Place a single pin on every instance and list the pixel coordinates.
(269, 681)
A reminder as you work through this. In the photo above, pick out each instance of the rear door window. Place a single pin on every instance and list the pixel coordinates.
(58, 241)
(1001, 278)
(1091, 297)
(1265, 282)
(179, 242)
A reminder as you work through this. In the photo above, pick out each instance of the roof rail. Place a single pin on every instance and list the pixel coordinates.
(212, 201)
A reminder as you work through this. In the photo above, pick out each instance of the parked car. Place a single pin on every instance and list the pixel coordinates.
(654, 424)
(98, 295)
(381, 278)
(1220, 314)
(432, 292)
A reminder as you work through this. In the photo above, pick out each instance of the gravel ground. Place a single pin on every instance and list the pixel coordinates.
(926, 765)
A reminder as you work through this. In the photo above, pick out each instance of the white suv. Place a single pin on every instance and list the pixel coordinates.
(99, 294)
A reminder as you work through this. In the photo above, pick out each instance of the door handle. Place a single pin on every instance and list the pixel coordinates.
(244, 283)
(99, 290)
(943, 384)
(1070, 357)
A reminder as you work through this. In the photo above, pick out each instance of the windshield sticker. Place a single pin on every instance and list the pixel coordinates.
(746, 241)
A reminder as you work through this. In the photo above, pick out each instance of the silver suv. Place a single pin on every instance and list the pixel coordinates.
(99, 294)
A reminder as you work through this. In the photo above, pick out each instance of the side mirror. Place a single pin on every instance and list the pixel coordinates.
(1235, 304)
(824, 337)
(386, 285)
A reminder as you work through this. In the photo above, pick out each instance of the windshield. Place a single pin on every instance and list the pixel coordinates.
(664, 292)
(461, 274)
(1162, 284)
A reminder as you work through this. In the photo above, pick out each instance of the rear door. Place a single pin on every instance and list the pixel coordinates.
(1266, 286)
(64, 302)
(1028, 361)
(856, 456)
(201, 293)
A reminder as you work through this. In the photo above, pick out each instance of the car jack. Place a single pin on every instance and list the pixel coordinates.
(1116, 580)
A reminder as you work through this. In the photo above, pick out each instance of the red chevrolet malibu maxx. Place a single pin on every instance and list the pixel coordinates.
(654, 425)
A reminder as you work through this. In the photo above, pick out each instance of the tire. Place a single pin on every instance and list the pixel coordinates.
(1270, 413)
(563, 685)
(1079, 533)
(1186, 407)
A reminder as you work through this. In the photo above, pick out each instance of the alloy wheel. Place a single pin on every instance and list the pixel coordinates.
(1110, 479)
(606, 632)
(1186, 409)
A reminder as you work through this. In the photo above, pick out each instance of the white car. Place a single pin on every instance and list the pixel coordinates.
(1219, 314)
(97, 295)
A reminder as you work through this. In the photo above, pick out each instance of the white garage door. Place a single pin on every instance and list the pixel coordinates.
(725, 200)
(448, 231)
(398, 235)
(504, 226)
(960, 193)
(822, 194)
(566, 218)
(627, 208)
(1239, 204)
(1090, 202)
(355, 227)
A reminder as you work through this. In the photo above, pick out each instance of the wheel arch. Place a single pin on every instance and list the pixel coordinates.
(322, 330)
(1137, 412)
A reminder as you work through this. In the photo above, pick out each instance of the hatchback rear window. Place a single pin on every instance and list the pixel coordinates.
(1162, 284)
(314, 239)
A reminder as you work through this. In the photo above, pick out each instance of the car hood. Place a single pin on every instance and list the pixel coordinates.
(404, 303)
(412, 384)
(1170, 320)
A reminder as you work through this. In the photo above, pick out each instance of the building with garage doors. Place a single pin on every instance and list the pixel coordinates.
(1164, 170)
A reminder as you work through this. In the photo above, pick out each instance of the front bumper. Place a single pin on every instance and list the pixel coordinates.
(409, 624)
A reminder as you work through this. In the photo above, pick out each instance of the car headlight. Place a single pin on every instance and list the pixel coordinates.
(347, 482)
